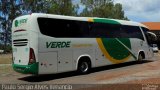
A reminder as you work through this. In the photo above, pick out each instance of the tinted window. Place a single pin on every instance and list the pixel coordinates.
(116, 31)
(132, 32)
(145, 30)
(106, 30)
(71, 28)
(63, 28)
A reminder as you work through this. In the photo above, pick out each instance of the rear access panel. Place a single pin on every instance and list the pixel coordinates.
(47, 63)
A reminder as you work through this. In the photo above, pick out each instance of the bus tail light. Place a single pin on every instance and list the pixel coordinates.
(32, 58)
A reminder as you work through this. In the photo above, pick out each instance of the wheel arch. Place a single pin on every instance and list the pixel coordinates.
(142, 53)
(84, 57)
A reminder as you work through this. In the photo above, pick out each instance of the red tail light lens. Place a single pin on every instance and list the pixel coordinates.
(32, 58)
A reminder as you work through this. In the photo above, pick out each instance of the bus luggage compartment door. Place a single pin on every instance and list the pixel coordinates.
(47, 63)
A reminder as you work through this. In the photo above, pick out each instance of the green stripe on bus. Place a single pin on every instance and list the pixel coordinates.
(111, 49)
(115, 49)
(106, 21)
(26, 69)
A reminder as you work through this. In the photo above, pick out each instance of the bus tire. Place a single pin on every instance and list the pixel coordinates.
(141, 57)
(84, 67)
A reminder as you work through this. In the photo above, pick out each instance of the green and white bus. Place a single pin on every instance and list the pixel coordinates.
(48, 44)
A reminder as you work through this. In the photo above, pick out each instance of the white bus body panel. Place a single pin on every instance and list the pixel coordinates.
(67, 58)
(20, 50)
(48, 62)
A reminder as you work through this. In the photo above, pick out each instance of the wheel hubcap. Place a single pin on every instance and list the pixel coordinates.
(84, 67)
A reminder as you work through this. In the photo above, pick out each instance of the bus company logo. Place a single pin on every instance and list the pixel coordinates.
(58, 44)
(19, 22)
(16, 23)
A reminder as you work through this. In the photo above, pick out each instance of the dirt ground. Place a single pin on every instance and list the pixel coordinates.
(5, 58)
(127, 76)
(5, 64)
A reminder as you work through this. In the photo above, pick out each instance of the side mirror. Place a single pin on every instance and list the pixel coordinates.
(151, 37)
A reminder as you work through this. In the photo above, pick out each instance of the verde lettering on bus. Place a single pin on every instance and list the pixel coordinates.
(19, 22)
(58, 44)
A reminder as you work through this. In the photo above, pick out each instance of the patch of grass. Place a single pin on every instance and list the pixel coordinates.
(5, 58)
(6, 69)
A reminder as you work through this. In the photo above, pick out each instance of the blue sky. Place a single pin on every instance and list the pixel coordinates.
(141, 10)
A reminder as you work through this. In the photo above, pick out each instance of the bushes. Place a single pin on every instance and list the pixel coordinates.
(7, 48)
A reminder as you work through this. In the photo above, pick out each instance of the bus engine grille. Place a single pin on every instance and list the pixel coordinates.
(20, 42)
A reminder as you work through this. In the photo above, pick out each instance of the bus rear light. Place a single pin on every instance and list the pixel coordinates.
(32, 58)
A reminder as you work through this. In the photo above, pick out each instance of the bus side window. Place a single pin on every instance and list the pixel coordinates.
(60, 28)
(78, 29)
(104, 30)
(131, 32)
(91, 30)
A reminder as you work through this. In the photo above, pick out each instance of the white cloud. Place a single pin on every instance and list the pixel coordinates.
(144, 10)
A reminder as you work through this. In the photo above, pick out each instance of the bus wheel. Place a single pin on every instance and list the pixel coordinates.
(140, 57)
(83, 67)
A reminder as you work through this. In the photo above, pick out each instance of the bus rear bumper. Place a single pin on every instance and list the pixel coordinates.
(26, 69)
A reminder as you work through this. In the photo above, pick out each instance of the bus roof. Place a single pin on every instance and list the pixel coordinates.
(90, 19)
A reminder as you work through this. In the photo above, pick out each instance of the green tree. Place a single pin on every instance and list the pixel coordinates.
(118, 12)
(63, 7)
(102, 8)
(9, 10)
(60, 7)
(36, 6)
